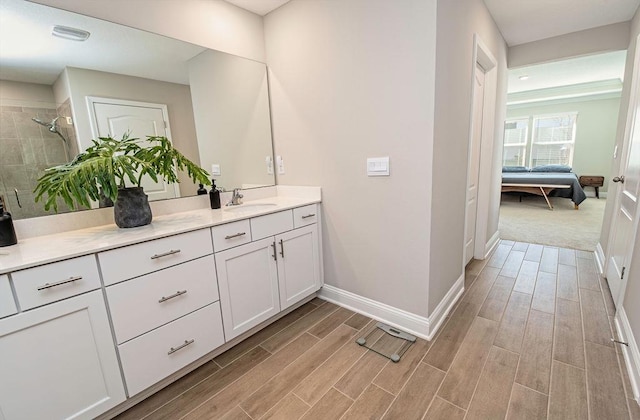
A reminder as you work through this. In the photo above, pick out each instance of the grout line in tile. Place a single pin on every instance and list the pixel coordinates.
(333, 387)
(436, 368)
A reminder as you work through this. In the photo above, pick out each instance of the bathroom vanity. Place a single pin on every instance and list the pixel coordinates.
(100, 317)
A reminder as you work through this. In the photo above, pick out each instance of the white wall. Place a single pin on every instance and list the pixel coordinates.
(26, 94)
(614, 37)
(212, 24)
(457, 23)
(353, 79)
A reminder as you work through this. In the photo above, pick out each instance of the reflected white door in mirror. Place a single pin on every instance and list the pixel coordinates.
(117, 117)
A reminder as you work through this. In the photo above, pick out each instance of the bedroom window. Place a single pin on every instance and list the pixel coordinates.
(538, 140)
(515, 142)
(553, 139)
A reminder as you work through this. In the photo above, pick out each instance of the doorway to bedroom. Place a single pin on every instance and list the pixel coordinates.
(559, 141)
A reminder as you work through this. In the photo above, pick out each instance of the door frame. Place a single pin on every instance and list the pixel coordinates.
(93, 121)
(634, 100)
(483, 57)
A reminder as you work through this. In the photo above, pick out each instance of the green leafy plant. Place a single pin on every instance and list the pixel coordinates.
(108, 164)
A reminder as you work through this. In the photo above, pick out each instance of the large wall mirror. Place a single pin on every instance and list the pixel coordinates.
(56, 94)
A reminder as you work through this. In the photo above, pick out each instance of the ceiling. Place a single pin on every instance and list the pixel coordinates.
(522, 21)
(587, 69)
(259, 7)
(29, 53)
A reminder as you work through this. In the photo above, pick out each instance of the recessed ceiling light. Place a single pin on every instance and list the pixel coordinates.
(524, 77)
(72, 34)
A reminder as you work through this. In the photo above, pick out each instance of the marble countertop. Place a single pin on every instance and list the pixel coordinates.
(39, 250)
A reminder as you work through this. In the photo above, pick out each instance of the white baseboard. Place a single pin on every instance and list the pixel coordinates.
(600, 258)
(414, 324)
(493, 242)
(439, 314)
(631, 352)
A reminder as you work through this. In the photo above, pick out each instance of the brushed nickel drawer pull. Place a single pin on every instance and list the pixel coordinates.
(165, 254)
(308, 215)
(181, 346)
(236, 235)
(59, 283)
(176, 294)
(275, 258)
(281, 248)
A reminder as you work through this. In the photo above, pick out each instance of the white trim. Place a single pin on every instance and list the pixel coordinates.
(631, 353)
(491, 245)
(600, 258)
(483, 56)
(444, 307)
(420, 326)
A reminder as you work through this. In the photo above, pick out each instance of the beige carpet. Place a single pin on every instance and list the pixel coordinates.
(532, 221)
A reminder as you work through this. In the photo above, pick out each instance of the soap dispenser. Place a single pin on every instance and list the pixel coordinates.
(7, 231)
(201, 190)
(214, 195)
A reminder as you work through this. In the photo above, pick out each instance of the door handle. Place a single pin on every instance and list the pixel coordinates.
(281, 248)
(619, 179)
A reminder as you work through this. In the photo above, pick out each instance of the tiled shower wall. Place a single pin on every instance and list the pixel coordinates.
(26, 149)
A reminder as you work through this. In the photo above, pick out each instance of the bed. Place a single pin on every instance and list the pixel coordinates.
(546, 182)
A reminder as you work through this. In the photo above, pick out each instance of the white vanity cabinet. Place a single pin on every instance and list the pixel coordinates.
(248, 282)
(278, 269)
(165, 308)
(59, 361)
(298, 264)
(7, 304)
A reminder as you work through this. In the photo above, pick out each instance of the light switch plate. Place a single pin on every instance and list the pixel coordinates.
(280, 163)
(215, 169)
(378, 166)
(269, 161)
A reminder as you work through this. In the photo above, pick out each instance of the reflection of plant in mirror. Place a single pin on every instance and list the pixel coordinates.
(104, 167)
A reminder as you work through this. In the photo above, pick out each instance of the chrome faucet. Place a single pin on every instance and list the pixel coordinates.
(236, 198)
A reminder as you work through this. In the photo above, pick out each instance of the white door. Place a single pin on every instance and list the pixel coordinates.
(298, 264)
(625, 219)
(474, 165)
(116, 117)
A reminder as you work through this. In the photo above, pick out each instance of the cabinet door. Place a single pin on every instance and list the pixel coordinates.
(59, 361)
(248, 282)
(298, 264)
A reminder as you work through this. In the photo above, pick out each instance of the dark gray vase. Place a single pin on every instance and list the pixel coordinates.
(132, 208)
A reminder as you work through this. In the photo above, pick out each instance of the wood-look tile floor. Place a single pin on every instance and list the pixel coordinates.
(529, 339)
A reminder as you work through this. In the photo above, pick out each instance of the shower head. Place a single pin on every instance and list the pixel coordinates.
(40, 122)
(51, 126)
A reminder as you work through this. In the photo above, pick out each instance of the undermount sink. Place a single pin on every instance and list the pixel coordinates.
(243, 208)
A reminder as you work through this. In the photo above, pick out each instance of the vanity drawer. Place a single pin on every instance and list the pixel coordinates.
(135, 260)
(231, 234)
(52, 282)
(159, 353)
(7, 304)
(303, 216)
(147, 302)
(271, 224)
